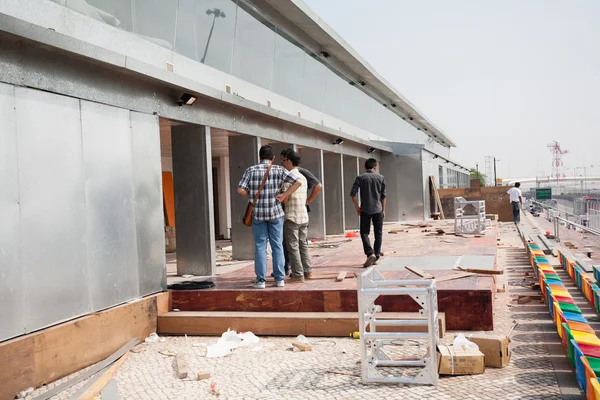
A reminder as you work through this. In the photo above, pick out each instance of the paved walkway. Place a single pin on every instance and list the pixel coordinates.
(271, 371)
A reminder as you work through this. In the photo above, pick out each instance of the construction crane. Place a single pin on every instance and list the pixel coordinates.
(557, 163)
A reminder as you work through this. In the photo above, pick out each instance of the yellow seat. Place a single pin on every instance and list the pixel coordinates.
(596, 387)
(586, 338)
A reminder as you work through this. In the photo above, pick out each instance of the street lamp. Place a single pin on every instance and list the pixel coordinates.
(217, 13)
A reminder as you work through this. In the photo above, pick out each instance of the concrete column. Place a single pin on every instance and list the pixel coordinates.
(194, 211)
(334, 193)
(224, 198)
(312, 160)
(278, 148)
(350, 173)
(243, 153)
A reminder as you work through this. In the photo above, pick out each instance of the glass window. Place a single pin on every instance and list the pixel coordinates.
(155, 21)
(253, 53)
(117, 13)
(313, 83)
(206, 31)
(288, 69)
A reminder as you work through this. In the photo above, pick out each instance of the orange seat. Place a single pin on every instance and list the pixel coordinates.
(589, 375)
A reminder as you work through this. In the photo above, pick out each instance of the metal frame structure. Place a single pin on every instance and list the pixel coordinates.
(469, 224)
(371, 285)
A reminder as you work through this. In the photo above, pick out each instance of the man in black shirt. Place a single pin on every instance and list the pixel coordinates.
(371, 186)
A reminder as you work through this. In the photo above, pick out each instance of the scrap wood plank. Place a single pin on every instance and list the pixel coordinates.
(436, 194)
(110, 391)
(341, 276)
(484, 271)
(103, 377)
(419, 272)
(455, 276)
(91, 371)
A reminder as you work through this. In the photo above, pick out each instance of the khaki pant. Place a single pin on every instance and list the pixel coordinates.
(297, 247)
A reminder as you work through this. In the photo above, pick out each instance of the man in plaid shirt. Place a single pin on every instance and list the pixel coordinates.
(296, 221)
(267, 219)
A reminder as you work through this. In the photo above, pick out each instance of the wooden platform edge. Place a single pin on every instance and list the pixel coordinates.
(328, 325)
(53, 353)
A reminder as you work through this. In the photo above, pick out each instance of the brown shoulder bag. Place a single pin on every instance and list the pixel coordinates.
(247, 220)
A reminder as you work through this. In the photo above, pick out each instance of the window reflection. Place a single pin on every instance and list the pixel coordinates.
(254, 48)
(117, 13)
(155, 20)
(206, 30)
(288, 69)
(235, 39)
(313, 83)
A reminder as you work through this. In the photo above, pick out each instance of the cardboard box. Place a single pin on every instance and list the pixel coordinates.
(460, 361)
(495, 348)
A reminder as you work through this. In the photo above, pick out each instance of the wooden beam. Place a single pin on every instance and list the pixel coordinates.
(53, 353)
(485, 271)
(341, 276)
(419, 272)
(103, 379)
(327, 324)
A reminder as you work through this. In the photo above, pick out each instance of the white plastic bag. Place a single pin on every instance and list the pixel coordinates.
(231, 340)
(153, 338)
(462, 341)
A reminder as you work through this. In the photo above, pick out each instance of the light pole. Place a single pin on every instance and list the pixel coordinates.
(217, 13)
(495, 176)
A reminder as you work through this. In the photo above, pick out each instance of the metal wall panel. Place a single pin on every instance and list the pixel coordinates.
(410, 183)
(147, 186)
(51, 184)
(111, 226)
(11, 279)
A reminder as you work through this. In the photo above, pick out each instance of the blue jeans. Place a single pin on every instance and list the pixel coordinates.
(272, 230)
(516, 211)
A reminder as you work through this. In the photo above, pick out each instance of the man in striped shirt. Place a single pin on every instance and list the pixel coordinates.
(296, 222)
(267, 219)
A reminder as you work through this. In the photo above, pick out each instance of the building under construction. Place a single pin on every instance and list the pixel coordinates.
(117, 113)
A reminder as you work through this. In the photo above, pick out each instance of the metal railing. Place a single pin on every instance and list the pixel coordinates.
(590, 223)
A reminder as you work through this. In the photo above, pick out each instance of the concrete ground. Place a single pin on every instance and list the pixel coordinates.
(270, 370)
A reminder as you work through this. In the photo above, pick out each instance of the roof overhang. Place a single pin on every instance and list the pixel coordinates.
(302, 24)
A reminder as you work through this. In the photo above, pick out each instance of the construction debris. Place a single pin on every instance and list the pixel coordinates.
(92, 389)
(180, 365)
(341, 276)
(302, 346)
(419, 272)
(203, 375)
(481, 271)
(343, 373)
(523, 299)
(89, 372)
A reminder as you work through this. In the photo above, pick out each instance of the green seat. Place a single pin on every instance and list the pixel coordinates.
(569, 308)
(594, 364)
(567, 340)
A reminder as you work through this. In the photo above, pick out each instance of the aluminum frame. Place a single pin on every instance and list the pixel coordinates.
(469, 224)
(372, 284)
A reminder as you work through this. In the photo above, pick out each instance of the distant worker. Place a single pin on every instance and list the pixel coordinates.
(313, 187)
(268, 216)
(516, 199)
(295, 227)
(371, 186)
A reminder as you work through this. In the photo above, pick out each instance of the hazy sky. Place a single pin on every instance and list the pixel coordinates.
(501, 78)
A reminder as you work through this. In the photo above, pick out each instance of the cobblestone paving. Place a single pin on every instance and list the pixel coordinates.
(271, 371)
